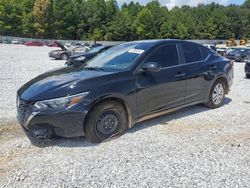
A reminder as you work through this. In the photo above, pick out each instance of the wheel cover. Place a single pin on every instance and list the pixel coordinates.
(107, 122)
(218, 94)
(64, 57)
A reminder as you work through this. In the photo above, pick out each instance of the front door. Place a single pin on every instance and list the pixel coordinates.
(157, 91)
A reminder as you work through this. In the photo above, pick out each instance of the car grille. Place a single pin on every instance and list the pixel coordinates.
(22, 107)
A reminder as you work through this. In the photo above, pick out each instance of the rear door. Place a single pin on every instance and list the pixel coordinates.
(157, 91)
(196, 67)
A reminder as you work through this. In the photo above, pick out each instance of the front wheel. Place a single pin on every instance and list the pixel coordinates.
(106, 120)
(217, 95)
(64, 57)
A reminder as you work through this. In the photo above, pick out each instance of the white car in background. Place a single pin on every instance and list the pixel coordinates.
(15, 42)
(210, 46)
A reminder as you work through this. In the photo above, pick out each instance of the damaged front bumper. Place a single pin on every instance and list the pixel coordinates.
(44, 125)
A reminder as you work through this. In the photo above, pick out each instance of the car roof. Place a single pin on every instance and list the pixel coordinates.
(152, 42)
(209, 44)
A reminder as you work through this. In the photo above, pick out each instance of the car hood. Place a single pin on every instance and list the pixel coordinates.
(60, 83)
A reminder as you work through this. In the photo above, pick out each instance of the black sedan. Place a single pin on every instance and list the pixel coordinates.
(80, 59)
(122, 86)
(237, 54)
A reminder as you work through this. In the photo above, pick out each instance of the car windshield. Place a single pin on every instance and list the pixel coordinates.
(117, 58)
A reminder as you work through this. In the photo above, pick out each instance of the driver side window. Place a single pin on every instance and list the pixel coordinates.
(166, 56)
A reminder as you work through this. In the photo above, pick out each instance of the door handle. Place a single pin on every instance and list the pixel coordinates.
(180, 75)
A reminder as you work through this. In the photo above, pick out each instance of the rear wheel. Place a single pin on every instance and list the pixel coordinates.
(106, 120)
(64, 57)
(217, 95)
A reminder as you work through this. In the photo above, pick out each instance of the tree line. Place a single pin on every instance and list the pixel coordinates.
(105, 20)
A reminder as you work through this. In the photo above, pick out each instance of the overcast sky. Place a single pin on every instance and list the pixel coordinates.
(172, 3)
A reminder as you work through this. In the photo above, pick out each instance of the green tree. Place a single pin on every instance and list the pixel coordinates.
(43, 17)
(10, 18)
(66, 16)
(28, 29)
(121, 28)
(104, 20)
(246, 4)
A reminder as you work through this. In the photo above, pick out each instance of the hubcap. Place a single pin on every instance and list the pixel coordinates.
(107, 122)
(218, 94)
(64, 57)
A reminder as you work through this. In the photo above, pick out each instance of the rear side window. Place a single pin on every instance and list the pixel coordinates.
(205, 52)
(192, 53)
(166, 56)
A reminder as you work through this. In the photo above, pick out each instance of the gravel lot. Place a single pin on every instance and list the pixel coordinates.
(194, 147)
(18, 65)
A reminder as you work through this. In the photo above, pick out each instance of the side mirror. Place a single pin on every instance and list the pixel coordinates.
(151, 67)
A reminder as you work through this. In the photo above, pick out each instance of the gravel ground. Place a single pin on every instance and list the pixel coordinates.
(19, 64)
(194, 147)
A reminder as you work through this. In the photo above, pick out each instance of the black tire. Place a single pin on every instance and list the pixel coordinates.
(248, 75)
(212, 101)
(98, 126)
(64, 56)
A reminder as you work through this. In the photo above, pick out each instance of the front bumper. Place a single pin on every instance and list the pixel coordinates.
(66, 123)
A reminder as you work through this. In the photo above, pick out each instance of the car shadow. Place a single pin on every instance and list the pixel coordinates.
(164, 119)
(52, 59)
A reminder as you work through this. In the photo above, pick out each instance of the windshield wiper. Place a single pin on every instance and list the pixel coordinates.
(94, 68)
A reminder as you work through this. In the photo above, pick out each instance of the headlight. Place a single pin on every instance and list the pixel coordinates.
(81, 58)
(60, 103)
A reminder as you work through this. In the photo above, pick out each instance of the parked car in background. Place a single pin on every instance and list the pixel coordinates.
(210, 46)
(53, 44)
(221, 51)
(34, 43)
(76, 44)
(64, 53)
(22, 41)
(237, 54)
(81, 58)
(126, 84)
(46, 43)
(15, 42)
(7, 41)
(95, 45)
